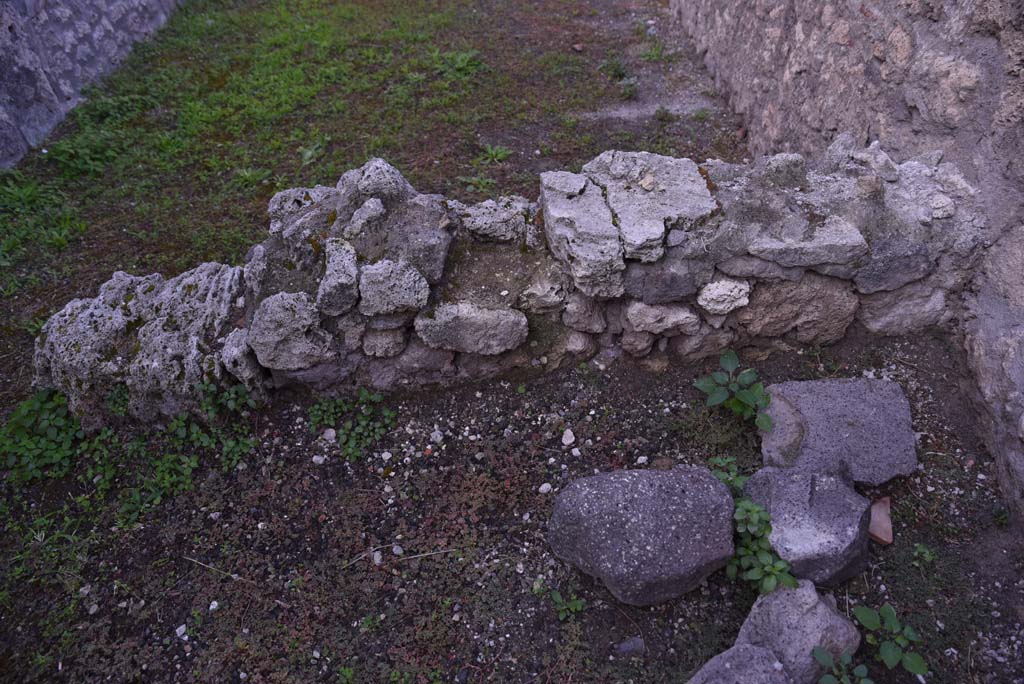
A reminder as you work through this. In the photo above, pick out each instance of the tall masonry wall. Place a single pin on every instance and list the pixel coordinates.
(50, 50)
(925, 78)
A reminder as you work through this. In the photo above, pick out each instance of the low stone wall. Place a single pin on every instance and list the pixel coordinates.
(49, 50)
(370, 283)
(918, 75)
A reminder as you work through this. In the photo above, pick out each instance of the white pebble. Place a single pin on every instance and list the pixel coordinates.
(568, 438)
(545, 488)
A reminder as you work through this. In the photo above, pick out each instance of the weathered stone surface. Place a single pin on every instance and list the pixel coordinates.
(286, 335)
(994, 341)
(791, 623)
(707, 342)
(384, 343)
(817, 309)
(743, 664)
(661, 319)
(724, 296)
(914, 307)
(389, 287)
(151, 335)
(472, 329)
(637, 343)
(580, 344)
(581, 233)
(584, 314)
(339, 288)
(672, 279)
(787, 170)
(650, 536)
(648, 193)
(802, 244)
(826, 426)
(892, 263)
(547, 292)
(238, 360)
(819, 523)
(501, 220)
(746, 266)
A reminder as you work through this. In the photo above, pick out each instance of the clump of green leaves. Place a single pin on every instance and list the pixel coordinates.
(923, 556)
(739, 391)
(477, 184)
(726, 470)
(41, 438)
(754, 560)
(359, 424)
(493, 154)
(566, 608)
(841, 671)
(892, 638)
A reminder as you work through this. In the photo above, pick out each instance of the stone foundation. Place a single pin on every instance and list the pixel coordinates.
(370, 283)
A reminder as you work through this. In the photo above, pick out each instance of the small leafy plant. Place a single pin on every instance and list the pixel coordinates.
(725, 469)
(359, 424)
(892, 638)
(923, 556)
(754, 560)
(566, 608)
(493, 154)
(739, 391)
(41, 438)
(841, 671)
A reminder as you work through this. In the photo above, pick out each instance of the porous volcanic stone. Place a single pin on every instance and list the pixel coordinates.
(860, 424)
(743, 664)
(791, 623)
(286, 334)
(472, 329)
(819, 523)
(648, 192)
(650, 536)
(389, 287)
(581, 232)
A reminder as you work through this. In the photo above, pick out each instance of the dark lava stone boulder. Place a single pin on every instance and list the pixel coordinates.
(649, 535)
(859, 425)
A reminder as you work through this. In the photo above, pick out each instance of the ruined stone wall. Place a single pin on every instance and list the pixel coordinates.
(371, 283)
(919, 76)
(50, 50)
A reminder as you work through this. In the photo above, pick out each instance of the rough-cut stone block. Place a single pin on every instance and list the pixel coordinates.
(285, 333)
(661, 319)
(859, 425)
(581, 233)
(801, 244)
(650, 536)
(501, 220)
(819, 523)
(472, 329)
(816, 309)
(743, 664)
(672, 279)
(339, 288)
(723, 296)
(791, 623)
(584, 314)
(389, 287)
(647, 193)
